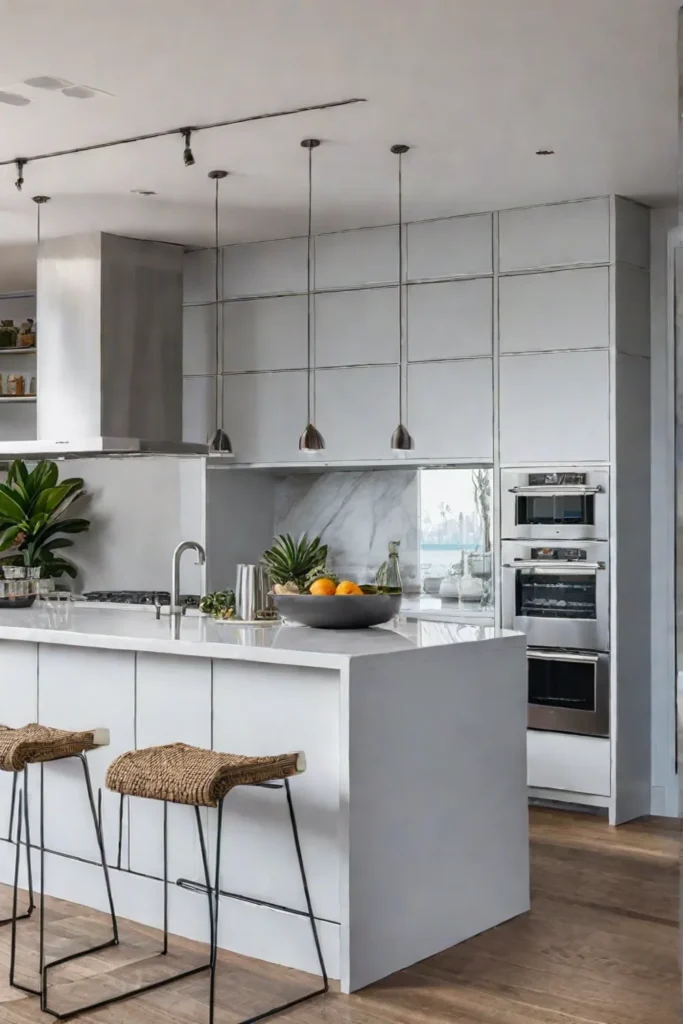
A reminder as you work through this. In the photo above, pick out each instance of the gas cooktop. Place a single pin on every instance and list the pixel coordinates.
(139, 597)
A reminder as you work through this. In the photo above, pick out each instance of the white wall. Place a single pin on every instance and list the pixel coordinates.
(140, 509)
(664, 782)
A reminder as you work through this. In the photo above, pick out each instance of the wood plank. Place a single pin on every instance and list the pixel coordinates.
(599, 947)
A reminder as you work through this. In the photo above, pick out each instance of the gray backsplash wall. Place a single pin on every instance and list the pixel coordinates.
(356, 513)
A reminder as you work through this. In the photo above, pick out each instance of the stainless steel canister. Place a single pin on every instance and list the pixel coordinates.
(251, 592)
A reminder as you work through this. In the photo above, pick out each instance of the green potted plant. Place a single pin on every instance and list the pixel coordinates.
(33, 508)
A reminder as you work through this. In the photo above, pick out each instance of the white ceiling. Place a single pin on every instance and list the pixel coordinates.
(475, 86)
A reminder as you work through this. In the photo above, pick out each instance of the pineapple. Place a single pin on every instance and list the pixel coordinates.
(290, 561)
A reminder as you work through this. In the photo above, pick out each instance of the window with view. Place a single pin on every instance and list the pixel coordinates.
(456, 521)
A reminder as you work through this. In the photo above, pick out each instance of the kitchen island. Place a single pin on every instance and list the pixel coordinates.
(412, 812)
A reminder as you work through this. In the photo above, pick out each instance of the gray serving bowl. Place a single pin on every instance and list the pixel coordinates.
(347, 611)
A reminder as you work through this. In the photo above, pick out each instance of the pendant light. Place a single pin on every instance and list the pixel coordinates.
(40, 202)
(401, 441)
(311, 440)
(219, 442)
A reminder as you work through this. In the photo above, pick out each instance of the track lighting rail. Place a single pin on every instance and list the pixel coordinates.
(21, 162)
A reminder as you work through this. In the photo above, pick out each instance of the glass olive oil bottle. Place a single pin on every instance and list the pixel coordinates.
(391, 583)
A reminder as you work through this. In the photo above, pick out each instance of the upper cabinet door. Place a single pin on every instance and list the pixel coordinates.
(356, 327)
(450, 409)
(555, 236)
(351, 259)
(450, 319)
(560, 309)
(199, 408)
(199, 339)
(554, 407)
(265, 334)
(454, 247)
(356, 411)
(265, 414)
(264, 268)
(199, 276)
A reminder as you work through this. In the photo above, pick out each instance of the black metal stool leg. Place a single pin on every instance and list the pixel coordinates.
(214, 932)
(307, 894)
(216, 905)
(142, 988)
(31, 901)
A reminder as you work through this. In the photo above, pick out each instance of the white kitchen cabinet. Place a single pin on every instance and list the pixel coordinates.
(351, 259)
(265, 334)
(265, 268)
(259, 857)
(199, 339)
(559, 235)
(199, 408)
(357, 411)
(557, 310)
(450, 409)
(450, 247)
(356, 327)
(574, 764)
(199, 276)
(265, 414)
(450, 319)
(173, 700)
(83, 688)
(554, 407)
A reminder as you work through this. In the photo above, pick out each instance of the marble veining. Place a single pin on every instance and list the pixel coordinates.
(356, 513)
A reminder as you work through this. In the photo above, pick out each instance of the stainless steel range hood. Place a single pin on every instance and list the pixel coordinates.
(109, 360)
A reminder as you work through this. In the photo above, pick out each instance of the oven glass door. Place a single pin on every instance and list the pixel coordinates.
(555, 510)
(569, 692)
(556, 595)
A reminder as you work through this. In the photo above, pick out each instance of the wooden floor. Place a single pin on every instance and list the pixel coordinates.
(599, 947)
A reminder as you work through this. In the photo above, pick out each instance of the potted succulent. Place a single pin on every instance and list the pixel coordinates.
(33, 519)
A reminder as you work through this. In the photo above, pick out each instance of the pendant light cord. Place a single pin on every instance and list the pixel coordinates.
(309, 261)
(400, 288)
(219, 378)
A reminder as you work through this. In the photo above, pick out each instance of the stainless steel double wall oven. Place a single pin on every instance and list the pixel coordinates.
(555, 528)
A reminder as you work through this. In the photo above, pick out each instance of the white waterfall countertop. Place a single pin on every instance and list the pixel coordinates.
(73, 624)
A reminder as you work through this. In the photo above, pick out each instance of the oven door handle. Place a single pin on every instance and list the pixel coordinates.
(549, 568)
(586, 659)
(549, 490)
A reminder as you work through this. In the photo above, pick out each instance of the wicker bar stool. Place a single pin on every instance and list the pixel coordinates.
(182, 774)
(39, 745)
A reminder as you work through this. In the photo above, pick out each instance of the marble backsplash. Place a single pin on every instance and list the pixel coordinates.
(356, 513)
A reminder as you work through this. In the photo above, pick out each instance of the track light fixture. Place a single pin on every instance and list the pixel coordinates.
(188, 155)
(20, 164)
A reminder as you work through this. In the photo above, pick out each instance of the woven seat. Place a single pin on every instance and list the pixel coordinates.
(182, 774)
(34, 743)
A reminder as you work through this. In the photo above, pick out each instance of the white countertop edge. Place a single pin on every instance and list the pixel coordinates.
(200, 648)
(184, 648)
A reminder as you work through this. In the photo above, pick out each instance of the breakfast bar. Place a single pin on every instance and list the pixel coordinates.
(412, 811)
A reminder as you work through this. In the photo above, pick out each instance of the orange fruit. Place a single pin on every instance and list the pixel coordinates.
(348, 587)
(323, 587)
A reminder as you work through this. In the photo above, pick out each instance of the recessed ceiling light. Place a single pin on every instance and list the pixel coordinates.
(84, 92)
(47, 82)
(143, 192)
(14, 99)
(545, 152)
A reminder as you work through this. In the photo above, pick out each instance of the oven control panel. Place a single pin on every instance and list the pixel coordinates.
(558, 554)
